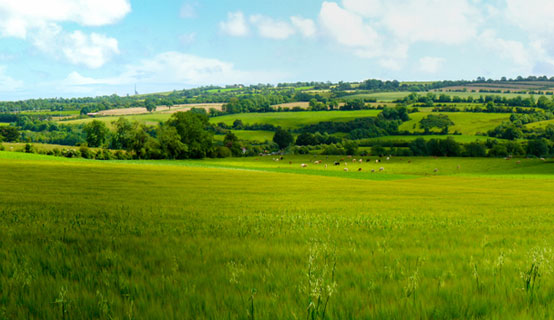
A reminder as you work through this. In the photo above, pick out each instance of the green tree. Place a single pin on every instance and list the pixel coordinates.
(306, 139)
(96, 133)
(282, 138)
(440, 121)
(123, 135)
(150, 104)
(537, 147)
(170, 143)
(232, 142)
(9, 134)
(191, 128)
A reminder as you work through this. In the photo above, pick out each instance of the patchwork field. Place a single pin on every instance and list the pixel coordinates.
(263, 239)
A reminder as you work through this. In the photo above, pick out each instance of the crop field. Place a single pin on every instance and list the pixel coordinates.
(294, 119)
(256, 238)
(467, 123)
(290, 105)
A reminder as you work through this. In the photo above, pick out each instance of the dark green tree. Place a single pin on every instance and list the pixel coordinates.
(96, 133)
(282, 138)
(440, 121)
(191, 128)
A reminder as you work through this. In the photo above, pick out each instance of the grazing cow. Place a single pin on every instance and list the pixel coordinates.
(337, 163)
(372, 170)
(290, 162)
(436, 170)
(359, 169)
(518, 162)
(381, 169)
(325, 166)
(409, 161)
(388, 158)
(282, 158)
(543, 159)
(349, 157)
(346, 169)
(361, 161)
(353, 160)
(342, 159)
(368, 160)
(304, 165)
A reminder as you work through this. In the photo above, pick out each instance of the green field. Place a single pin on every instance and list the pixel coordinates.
(467, 123)
(250, 135)
(458, 138)
(149, 118)
(540, 124)
(391, 96)
(258, 239)
(294, 119)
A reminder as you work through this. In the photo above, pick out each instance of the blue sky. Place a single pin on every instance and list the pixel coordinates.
(67, 48)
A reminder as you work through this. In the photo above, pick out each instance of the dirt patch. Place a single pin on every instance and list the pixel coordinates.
(290, 105)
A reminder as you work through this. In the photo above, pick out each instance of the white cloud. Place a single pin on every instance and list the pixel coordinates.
(385, 30)
(188, 10)
(448, 22)
(431, 64)
(18, 17)
(272, 29)
(514, 51)
(235, 25)
(365, 8)
(306, 27)
(8, 83)
(534, 16)
(349, 29)
(91, 50)
(176, 69)
(40, 20)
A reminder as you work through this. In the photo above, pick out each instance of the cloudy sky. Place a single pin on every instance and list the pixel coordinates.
(66, 48)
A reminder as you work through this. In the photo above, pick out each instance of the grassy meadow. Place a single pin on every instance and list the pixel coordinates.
(467, 123)
(256, 238)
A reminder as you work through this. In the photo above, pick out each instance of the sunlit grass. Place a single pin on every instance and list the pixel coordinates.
(257, 238)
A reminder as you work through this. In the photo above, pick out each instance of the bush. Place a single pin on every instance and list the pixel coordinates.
(475, 149)
(85, 152)
(223, 152)
(333, 149)
(498, 150)
(29, 148)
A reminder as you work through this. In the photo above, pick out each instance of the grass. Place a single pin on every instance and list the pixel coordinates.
(467, 123)
(250, 135)
(540, 124)
(150, 118)
(294, 119)
(253, 238)
(458, 138)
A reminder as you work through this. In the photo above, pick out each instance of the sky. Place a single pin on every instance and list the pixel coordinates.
(76, 48)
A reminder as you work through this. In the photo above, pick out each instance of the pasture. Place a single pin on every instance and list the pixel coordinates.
(262, 239)
(467, 123)
(290, 120)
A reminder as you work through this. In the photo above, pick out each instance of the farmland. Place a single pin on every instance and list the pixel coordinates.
(465, 123)
(255, 238)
